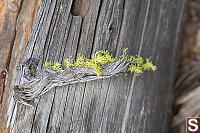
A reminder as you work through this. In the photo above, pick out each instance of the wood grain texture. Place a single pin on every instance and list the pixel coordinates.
(16, 21)
(136, 104)
(8, 15)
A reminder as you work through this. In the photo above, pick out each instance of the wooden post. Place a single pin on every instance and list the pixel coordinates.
(136, 104)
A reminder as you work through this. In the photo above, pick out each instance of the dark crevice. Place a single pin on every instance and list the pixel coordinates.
(79, 38)
(79, 7)
(34, 116)
(2, 83)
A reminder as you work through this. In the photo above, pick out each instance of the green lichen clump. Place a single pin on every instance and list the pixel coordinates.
(100, 58)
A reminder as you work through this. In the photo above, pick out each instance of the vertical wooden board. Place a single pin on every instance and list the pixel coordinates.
(157, 97)
(109, 25)
(88, 28)
(67, 123)
(62, 98)
(113, 112)
(66, 107)
(45, 105)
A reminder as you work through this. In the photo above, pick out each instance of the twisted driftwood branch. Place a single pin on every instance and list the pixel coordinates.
(36, 83)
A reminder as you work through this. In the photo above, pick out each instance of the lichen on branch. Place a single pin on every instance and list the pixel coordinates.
(100, 58)
(35, 83)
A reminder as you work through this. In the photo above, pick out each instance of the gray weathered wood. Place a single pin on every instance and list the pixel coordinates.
(136, 104)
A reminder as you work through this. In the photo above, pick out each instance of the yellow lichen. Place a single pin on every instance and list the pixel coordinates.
(148, 65)
(138, 66)
(124, 55)
(69, 62)
(80, 61)
(57, 66)
(48, 64)
(101, 58)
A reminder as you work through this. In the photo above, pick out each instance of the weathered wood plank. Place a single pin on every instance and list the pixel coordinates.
(16, 21)
(135, 104)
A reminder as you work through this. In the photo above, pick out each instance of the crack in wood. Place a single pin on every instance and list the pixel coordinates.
(79, 7)
(3, 76)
